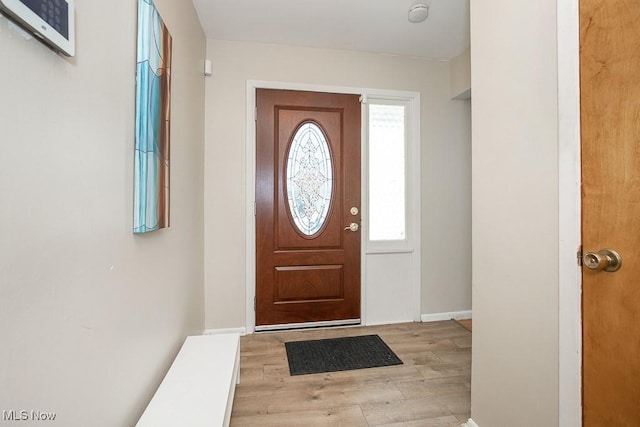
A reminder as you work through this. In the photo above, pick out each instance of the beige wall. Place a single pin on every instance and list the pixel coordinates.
(461, 76)
(515, 214)
(91, 315)
(445, 160)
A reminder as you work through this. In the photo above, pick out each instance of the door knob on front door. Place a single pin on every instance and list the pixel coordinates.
(605, 259)
(352, 227)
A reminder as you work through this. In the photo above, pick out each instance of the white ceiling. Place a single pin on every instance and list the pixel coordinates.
(366, 25)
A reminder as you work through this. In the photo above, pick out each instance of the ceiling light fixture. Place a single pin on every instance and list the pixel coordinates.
(418, 13)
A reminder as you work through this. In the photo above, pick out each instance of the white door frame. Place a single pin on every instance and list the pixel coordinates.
(569, 168)
(250, 240)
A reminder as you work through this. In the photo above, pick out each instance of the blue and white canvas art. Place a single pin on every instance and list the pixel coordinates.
(153, 108)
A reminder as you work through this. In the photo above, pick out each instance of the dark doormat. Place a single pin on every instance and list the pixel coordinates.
(339, 354)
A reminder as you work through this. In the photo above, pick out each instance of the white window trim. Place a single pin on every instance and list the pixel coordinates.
(412, 163)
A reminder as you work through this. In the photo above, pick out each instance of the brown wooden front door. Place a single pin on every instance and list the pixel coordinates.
(307, 182)
(610, 128)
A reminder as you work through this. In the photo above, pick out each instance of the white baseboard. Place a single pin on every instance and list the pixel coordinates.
(436, 317)
(387, 322)
(241, 331)
(470, 423)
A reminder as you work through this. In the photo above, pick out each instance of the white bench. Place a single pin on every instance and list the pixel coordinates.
(199, 387)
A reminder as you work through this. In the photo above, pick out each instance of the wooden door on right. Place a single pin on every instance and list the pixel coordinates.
(610, 133)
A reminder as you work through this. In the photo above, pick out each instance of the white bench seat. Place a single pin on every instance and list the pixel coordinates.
(199, 387)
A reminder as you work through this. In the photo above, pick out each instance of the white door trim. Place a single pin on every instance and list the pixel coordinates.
(250, 161)
(569, 168)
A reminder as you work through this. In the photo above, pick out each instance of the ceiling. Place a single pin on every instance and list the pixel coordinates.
(378, 26)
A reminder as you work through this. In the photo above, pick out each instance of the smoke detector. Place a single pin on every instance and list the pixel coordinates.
(418, 13)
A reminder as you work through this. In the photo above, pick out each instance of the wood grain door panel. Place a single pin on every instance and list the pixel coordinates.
(306, 283)
(610, 133)
(331, 236)
(304, 278)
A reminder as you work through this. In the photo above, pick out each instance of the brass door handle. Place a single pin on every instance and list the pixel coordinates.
(605, 259)
(352, 227)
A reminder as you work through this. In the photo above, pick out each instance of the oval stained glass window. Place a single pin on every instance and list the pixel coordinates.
(309, 178)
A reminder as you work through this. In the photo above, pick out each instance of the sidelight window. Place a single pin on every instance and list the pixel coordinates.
(387, 172)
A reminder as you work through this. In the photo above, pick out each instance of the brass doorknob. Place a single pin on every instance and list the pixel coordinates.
(605, 259)
(352, 227)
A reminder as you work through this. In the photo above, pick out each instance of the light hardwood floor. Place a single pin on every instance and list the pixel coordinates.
(466, 323)
(431, 388)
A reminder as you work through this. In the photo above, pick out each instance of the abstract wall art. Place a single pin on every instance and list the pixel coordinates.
(153, 108)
